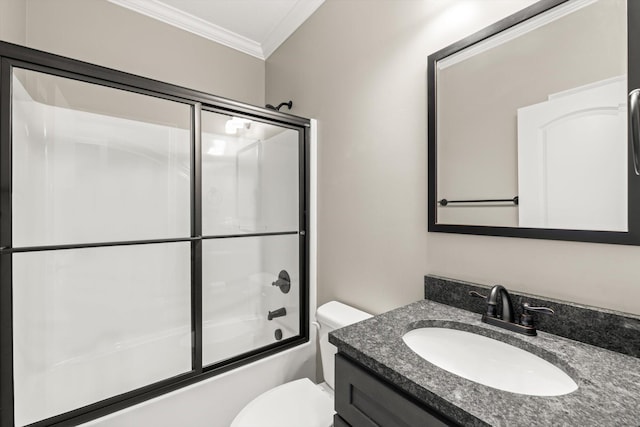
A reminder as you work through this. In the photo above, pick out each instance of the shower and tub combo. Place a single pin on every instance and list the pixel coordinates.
(154, 246)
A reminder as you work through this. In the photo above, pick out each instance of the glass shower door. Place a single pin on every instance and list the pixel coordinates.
(250, 222)
(93, 167)
(151, 237)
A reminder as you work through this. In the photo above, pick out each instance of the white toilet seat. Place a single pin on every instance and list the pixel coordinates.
(299, 403)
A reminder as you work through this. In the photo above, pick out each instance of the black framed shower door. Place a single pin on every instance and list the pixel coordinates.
(175, 230)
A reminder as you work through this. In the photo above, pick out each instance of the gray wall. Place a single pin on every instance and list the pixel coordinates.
(13, 21)
(359, 67)
(102, 33)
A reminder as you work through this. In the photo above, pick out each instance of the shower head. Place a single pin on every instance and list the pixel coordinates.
(282, 104)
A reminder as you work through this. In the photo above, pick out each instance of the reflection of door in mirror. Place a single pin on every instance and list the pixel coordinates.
(572, 159)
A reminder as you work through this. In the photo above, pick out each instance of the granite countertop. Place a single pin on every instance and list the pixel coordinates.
(608, 382)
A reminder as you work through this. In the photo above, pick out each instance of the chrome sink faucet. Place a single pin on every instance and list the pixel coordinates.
(507, 318)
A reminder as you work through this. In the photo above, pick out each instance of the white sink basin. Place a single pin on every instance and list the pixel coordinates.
(489, 362)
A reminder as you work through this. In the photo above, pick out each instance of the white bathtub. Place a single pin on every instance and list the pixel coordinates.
(237, 336)
(216, 401)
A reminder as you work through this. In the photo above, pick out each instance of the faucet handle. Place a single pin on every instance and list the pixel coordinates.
(526, 319)
(544, 310)
(477, 294)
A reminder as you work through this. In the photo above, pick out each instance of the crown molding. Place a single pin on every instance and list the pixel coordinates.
(185, 21)
(170, 15)
(302, 10)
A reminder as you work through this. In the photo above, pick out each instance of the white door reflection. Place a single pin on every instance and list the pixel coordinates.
(572, 159)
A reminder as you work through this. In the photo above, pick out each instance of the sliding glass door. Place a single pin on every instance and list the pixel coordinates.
(93, 166)
(250, 183)
(151, 237)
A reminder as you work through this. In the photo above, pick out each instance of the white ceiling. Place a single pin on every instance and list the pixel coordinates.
(255, 27)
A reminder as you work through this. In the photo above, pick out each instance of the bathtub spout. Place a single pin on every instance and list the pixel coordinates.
(277, 313)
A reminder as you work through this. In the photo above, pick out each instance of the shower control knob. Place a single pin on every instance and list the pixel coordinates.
(283, 282)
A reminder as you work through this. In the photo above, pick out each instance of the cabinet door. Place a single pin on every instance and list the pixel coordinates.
(338, 421)
(363, 400)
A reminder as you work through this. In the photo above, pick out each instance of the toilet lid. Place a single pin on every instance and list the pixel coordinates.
(298, 403)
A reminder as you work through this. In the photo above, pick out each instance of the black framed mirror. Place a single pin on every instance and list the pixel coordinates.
(531, 125)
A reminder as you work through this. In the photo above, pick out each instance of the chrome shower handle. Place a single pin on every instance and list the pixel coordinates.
(634, 121)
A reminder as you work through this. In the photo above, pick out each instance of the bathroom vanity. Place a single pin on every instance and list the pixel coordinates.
(364, 399)
(380, 381)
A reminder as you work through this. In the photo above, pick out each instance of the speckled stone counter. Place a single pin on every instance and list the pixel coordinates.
(608, 382)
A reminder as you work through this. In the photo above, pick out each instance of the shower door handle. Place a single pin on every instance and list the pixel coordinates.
(634, 123)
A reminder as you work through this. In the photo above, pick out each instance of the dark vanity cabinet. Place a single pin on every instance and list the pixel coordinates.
(362, 399)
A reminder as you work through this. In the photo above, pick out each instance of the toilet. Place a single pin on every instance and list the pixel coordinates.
(301, 403)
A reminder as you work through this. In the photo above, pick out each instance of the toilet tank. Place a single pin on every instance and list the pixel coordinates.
(330, 316)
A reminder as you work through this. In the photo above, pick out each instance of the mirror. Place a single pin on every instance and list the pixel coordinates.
(528, 126)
